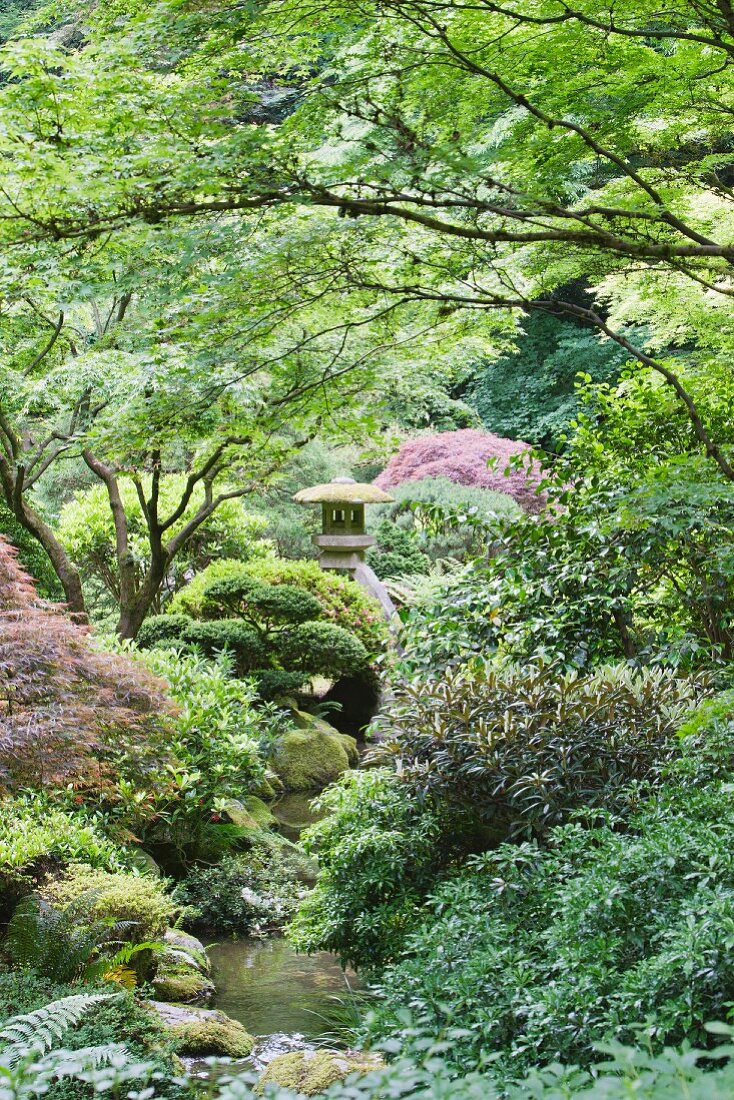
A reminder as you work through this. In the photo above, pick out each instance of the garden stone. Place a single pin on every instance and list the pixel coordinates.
(308, 760)
(204, 1032)
(310, 1072)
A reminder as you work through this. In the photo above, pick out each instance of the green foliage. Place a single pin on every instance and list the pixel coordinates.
(284, 626)
(117, 1024)
(530, 393)
(36, 835)
(31, 555)
(481, 755)
(219, 743)
(140, 902)
(86, 529)
(323, 648)
(632, 559)
(342, 601)
(266, 606)
(614, 934)
(255, 892)
(397, 553)
(62, 944)
(447, 520)
(519, 748)
(242, 642)
(379, 848)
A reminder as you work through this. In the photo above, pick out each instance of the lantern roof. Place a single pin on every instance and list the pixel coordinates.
(344, 489)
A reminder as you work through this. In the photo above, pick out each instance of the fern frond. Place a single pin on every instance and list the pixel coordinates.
(39, 1031)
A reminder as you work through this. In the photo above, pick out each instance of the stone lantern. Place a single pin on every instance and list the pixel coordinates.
(343, 541)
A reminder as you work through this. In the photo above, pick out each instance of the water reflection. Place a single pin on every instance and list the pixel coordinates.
(271, 990)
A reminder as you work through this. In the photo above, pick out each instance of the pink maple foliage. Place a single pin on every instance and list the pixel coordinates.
(463, 457)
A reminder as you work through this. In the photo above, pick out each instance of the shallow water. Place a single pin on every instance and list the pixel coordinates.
(273, 991)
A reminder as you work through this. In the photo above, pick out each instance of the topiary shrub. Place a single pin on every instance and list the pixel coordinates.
(322, 648)
(342, 601)
(263, 624)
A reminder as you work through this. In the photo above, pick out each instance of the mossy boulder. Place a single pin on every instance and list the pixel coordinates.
(181, 949)
(259, 811)
(181, 983)
(312, 1071)
(239, 815)
(204, 1032)
(310, 759)
(349, 744)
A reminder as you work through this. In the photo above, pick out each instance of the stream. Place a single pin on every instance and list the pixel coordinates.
(287, 1001)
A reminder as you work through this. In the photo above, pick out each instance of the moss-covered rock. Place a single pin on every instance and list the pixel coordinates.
(349, 744)
(204, 1032)
(181, 983)
(258, 810)
(312, 1071)
(181, 949)
(308, 760)
(224, 1038)
(239, 815)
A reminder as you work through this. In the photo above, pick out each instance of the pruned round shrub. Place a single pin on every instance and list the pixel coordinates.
(323, 648)
(161, 629)
(211, 638)
(342, 600)
(247, 598)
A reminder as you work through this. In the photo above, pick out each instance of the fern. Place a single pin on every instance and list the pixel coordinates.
(60, 944)
(38, 1032)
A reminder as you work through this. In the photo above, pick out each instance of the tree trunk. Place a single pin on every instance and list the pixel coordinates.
(63, 567)
(133, 611)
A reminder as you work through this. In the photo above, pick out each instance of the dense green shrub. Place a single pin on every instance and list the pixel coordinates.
(251, 893)
(36, 837)
(380, 848)
(268, 628)
(397, 552)
(342, 601)
(114, 1020)
(484, 754)
(220, 740)
(518, 748)
(142, 902)
(446, 520)
(540, 953)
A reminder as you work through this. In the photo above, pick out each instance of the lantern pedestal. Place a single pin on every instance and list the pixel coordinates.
(344, 542)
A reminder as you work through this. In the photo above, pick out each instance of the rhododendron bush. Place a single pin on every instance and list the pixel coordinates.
(467, 457)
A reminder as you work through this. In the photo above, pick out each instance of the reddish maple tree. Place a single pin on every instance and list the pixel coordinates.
(464, 457)
(69, 714)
